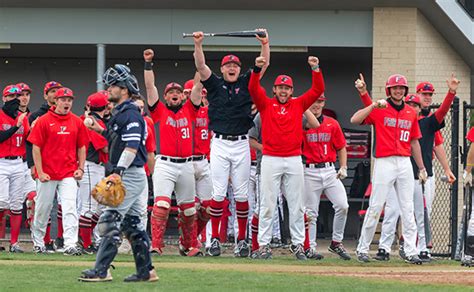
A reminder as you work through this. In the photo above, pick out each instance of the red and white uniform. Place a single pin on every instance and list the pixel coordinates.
(150, 142)
(394, 131)
(202, 146)
(281, 162)
(59, 137)
(320, 148)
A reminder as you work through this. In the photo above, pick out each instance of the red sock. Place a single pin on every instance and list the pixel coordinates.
(47, 235)
(335, 243)
(306, 233)
(216, 215)
(255, 245)
(242, 214)
(2, 223)
(15, 225)
(60, 222)
(85, 231)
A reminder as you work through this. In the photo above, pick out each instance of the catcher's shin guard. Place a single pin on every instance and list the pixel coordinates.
(159, 220)
(30, 208)
(140, 245)
(469, 245)
(186, 225)
(111, 239)
(202, 217)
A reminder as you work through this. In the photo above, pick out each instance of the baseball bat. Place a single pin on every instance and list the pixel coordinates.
(426, 218)
(236, 34)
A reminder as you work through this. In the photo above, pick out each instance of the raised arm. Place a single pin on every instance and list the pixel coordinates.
(311, 120)
(265, 50)
(196, 91)
(441, 112)
(317, 84)
(151, 92)
(199, 58)
(362, 88)
(255, 88)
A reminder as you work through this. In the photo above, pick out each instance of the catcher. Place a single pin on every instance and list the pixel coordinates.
(126, 135)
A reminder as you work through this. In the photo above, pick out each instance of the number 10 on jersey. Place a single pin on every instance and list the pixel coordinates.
(404, 136)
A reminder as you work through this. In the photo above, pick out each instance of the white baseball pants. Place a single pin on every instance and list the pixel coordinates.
(179, 177)
(93, 173)
(202, 175)
(30, 184)
(12, 180)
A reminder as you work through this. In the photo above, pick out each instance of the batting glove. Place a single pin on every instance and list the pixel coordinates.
(467, 178)
(422, 176)
(342, 173)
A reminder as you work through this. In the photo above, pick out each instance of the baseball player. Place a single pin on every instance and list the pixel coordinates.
(13, 132)
(59, 141)
(282, 117)
(94, 171)
(321, 146)
(49, 93)
(174, 169)
(396, 139)
(230, 120)
(468, 259)
(126, 134)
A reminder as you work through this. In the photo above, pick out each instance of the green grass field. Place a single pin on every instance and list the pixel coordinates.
(59, 273)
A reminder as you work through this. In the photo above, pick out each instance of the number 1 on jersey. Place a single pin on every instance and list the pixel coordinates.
(185, 132)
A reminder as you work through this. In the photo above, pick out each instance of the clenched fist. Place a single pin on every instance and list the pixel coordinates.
(313, 61)
(260, 61)
(148, 55)
(381, 103)
(198, 37)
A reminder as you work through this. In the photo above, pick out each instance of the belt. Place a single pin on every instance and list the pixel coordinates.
(319, 165)
(176, 160)
(12, 157)
(199, 158)
(253, 163)
(231, 137)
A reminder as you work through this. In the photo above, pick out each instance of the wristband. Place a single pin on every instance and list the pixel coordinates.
(470, 164)
(148, 66)
(264, 43)
(315, 67)
(81, 170)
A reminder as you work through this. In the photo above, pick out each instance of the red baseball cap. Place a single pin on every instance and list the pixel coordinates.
(50, 85)
(322, 97)
(24, 87)
(425, 87)
(189, 84)
(64, 92)
(173, 85)
(230, 59)
(283, 80)
(11, 89)
(97, 100)
(415, 98)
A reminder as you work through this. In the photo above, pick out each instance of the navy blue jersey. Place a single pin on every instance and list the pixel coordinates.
(127, 128)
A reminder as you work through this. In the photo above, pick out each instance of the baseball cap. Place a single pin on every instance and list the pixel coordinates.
(189, 84)
(50, 85)
(11, 89)
(283, 80)
(425, 87)
(415, 98)
(230, 59)
(64, 92)
(322, 97)
(173, 85)
(97, 100)
(24, 87)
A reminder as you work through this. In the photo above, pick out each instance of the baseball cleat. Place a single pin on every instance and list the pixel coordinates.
(254, 254)
(15, 248)
(72, 251)
(156, 252)
(92, 275)
(89, 250)
(467, 261)
(425, 256)
(39, 250)
(382, 255)
(276, 242)
(401, 250)
(298, 251)
(414, 259)
(152, 277)
(215, 249)
(311, 253)
(192, 252)
(59, 244)
(50, 247)
(264, 252)
(340, 251)
(242, 250)
(363, 257)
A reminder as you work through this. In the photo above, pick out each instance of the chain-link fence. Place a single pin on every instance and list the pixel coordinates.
(443, 217)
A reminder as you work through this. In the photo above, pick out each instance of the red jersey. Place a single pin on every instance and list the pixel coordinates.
(394, 130)
(202, 139)
(253, 154)
(59, 137)
(321, 144)
(470, 135)
(150, 144)
(15, 145)
(281, 123)
(97, 141)
(174, 129)
(438, 139)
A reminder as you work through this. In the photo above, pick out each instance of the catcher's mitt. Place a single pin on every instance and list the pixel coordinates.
(109, 191)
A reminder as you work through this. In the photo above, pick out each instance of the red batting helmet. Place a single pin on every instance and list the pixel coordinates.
(396, 80)
(64, 92)
(231, 59)
(50, 85)
(24, 87)
(97, 100)
(415, 98)
(283, 80)
(425, 87)
(189, 84)
(173, 85)
(11, 89)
